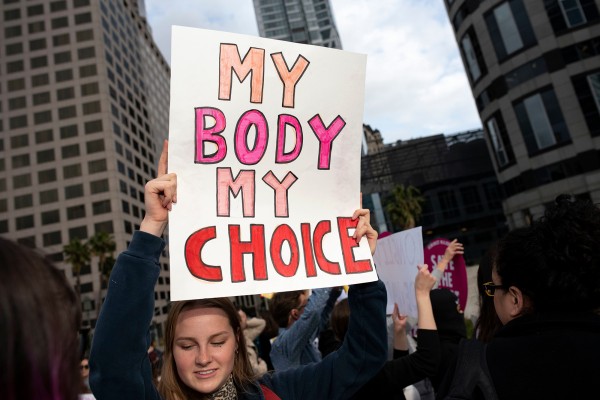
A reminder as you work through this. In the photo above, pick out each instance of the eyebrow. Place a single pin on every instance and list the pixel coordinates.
(210, 337)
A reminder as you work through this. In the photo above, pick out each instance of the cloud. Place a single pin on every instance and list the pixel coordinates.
(416, 84)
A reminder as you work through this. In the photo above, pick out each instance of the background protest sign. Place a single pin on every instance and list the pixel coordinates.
(455, 275)
(265, 138)
(397, 258)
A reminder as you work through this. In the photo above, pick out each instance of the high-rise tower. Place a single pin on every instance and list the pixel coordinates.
(534, 69)
(84, 106)
(299, 21)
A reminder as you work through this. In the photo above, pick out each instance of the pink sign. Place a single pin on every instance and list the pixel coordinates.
(455, 276)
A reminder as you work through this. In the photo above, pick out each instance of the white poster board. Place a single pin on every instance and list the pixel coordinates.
(265, 139)
(397, 258)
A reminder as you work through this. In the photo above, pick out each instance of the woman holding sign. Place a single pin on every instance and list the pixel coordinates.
(205, 355)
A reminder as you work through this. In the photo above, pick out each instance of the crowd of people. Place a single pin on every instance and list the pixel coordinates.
(537, 335)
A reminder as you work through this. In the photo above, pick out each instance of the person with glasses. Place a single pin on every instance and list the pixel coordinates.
(545, 285)
(301, 318)
(84, 368)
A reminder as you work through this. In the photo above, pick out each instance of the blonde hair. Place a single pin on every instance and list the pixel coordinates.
(171, 387)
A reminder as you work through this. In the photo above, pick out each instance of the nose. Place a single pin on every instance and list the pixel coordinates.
(203, 356)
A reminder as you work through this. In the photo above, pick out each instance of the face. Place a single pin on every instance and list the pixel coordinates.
(503, 301)
(303, 301)
(84, 367)
(204, 348)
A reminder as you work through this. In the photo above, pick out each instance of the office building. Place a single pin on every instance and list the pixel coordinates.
(534, 70)
(84, 108)
(456, 178)
(299, 21)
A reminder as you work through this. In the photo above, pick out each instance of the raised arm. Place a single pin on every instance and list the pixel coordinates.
(120, 368)
(451, 250)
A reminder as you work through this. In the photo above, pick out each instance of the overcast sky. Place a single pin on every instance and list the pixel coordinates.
(416, 84)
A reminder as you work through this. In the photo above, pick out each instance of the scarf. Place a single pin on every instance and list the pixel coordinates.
(226, 392)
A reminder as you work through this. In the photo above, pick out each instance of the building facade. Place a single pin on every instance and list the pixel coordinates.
(299, 21)
(456, 178)
(534, 70)
(83, 111)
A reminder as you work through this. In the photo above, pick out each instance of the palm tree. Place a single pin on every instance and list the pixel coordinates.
(102, 246)
(405, 206)
(77, 253)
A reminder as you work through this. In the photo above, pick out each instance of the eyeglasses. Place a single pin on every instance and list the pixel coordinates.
(86, 366)
(490, 288)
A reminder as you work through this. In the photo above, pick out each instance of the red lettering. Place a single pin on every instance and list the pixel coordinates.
(309, 258)
(256, 247)
(193, 255)
(323, 228)
(283, 233)
(348, 243)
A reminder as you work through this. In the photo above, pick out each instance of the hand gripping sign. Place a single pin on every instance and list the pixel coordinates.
(265, 139)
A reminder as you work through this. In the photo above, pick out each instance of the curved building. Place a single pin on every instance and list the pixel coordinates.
(534, 70)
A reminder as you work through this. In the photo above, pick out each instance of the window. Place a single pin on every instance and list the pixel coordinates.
(46, 176)
(93, 126)
(60, 22)
(50, 217)
(500, 140)
(37, 44)
(20, 161)
(41, 98)
(509, 28)
(44, 156)
(42, 117)
(40, 80)
(106, 226)
(92, 107)
(35, 10)
(3, 205)
(71, 171)
(64, 75)
(87, 70)
(36, 27)
(24, 222)
(16, 142)
(18, 122)
(572, 12)
(14, 66)
(87, 52)
(13, 14)
(49, 196)
(78, 233)
(62, 57)
(541, 121)
(15, 48)
(58, 5)
(68, 131)
(76, 212)
(65, 93)
(99, 186)
(61, 40)
(101, 207)
(83, 18)
(16, 84)
(12, 31)
(23, 201)
(74, 191)
(594, 83)
(86, 35)
(89, 89)
(97, 166)
(44, 136)
(17, 103)
(39, 62)
(67, 112)
(95, 146)
(70, 151)
(448, 204)
(52, 238)
(473, 56)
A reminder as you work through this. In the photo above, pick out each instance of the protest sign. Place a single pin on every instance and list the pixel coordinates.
(455, 275)
(397, 259)
(265, 139)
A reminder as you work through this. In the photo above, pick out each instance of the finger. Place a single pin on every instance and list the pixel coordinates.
(164, 157)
